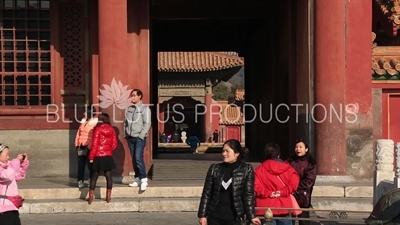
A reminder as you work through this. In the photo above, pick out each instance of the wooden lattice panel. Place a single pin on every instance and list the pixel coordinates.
(73, 45)
(25, 63)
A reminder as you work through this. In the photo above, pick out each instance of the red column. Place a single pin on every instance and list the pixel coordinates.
(114, 61)
(215, 109)
(342, 77)
(330, 52)
(358, 57)
(161, 118)
(138, 48)
(208, 118)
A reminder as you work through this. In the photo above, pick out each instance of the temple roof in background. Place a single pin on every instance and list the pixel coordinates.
(197, 61)
(385, 62)
(391, 9)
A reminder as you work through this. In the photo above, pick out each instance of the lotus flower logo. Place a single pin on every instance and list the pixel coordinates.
(116, 94)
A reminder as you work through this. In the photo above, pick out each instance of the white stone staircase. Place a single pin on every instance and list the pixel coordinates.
(59, 195)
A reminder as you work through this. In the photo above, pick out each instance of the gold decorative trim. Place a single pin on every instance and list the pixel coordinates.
(386, 81)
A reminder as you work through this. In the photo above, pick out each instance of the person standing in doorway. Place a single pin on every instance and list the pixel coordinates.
(215, 136)
(137, 125)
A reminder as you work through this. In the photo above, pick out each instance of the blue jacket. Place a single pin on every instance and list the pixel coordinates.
(193, 141)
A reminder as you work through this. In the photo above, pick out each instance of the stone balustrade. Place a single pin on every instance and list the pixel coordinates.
(387, 170)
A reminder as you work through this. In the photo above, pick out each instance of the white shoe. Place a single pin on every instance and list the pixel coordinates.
(135, 183)
(144, 184)
(80, 184)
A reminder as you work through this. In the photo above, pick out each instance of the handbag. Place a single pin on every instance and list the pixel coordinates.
(17, 200)
(294, 204)
(82, 151)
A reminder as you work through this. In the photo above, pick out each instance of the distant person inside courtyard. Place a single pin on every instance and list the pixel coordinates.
(101, 155)
(137, 125)
(275, 181)
(169, 138)
(83, 143)
(306, 167)
(228, 192)
(10, 173)
(163, 138)
(194, 143)
(215, 136)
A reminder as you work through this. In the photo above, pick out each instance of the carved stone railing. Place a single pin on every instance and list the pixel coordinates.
(397, 166)
(387, 171)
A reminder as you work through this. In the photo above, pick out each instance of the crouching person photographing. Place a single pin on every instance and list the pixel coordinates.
(11, 172)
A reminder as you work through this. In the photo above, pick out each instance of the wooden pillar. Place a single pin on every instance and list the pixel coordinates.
(208, 129)
(114, 60)
(138, 46)
(359, 123)
(330, 86)
(343, 82)
(123, 57)
(160, 117)
(304, 52)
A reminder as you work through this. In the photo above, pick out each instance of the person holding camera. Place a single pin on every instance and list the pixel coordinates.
(10, 173)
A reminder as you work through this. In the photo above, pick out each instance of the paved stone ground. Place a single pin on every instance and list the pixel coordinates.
(182, 218)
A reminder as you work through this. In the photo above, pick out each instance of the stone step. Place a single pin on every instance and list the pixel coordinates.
(351, 204)
(179, 189)
(163, 205)
(183, 169)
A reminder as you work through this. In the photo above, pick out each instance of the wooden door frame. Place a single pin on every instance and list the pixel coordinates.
(388, 110)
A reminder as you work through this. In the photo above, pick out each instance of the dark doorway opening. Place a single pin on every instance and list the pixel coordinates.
(262, 33)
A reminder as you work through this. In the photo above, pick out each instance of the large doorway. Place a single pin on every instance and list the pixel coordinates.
(263, 33)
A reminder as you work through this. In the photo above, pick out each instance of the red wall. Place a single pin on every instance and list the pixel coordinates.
(233, 132)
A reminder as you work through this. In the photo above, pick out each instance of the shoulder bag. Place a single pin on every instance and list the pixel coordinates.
(294, 205)
(17, 200)
(82, 151)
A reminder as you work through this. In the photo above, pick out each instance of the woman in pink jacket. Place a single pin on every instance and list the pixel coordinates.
(10, 172)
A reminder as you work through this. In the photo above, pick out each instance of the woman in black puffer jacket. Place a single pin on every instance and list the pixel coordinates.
(228, 192)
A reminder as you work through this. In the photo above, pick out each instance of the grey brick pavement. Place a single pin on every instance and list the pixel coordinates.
(181, 218)
(110, 219)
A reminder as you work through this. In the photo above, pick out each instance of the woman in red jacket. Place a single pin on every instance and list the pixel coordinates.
(103, 144)
(275, 181)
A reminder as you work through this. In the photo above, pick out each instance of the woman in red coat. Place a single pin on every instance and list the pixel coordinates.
(103, 144)
(275, 181)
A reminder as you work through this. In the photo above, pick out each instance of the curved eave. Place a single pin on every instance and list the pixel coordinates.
(197, 70)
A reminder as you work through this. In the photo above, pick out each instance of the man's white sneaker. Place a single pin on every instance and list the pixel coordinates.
(80, 184)
(144, 184)
(135, 183)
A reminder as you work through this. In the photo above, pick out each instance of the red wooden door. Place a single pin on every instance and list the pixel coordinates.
(233, 132)
(394, 117)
